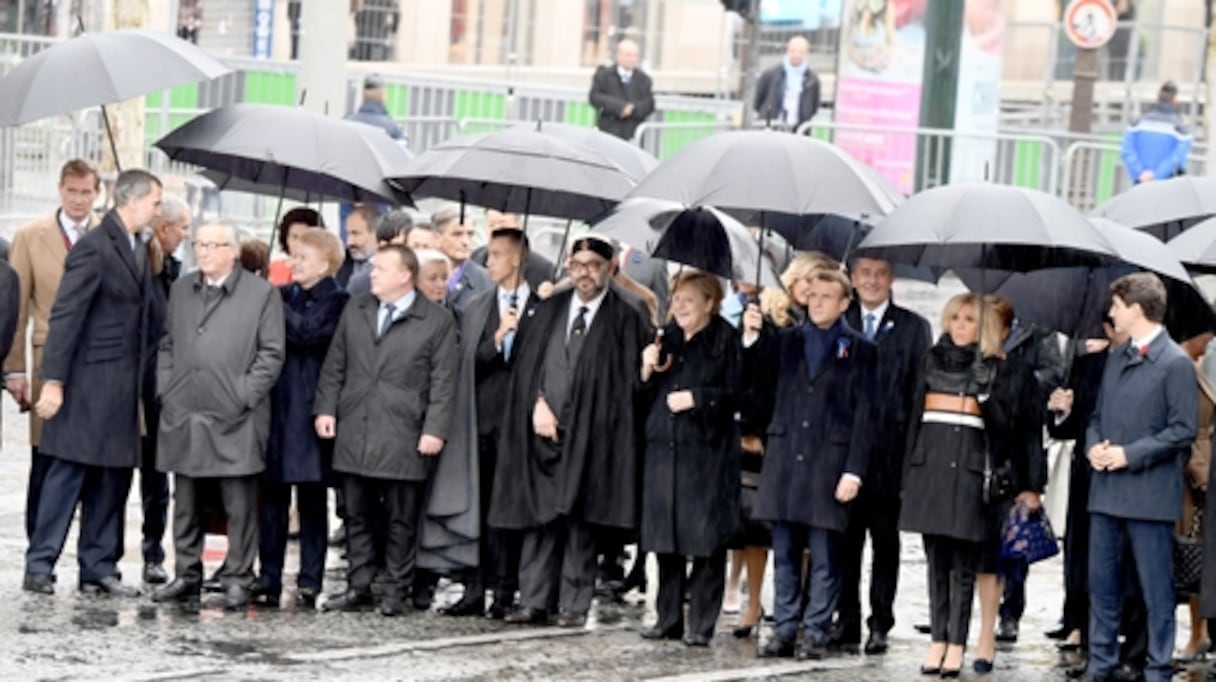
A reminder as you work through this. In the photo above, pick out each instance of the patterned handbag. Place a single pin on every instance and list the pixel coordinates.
(1027, 535)
(1188, 556)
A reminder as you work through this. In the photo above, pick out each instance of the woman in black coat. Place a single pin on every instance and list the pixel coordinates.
(962, 409)
(690, 492)
(312, 305)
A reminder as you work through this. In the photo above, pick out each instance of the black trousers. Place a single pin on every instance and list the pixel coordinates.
(39, 465)
(274, 517)
(879, 519)
(102, 494)
(154, 498)
(239, 496)
(953, 565)
(704, 585)
(402, 506)
(499, 548)
(558, 560)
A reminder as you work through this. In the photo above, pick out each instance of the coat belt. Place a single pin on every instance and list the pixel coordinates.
(949, 402)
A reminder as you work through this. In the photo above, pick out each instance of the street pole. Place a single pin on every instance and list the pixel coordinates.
(127, 118)
(323, 57)
(939, 94)
(751, 65)
(1080, 120)
(1209, 74)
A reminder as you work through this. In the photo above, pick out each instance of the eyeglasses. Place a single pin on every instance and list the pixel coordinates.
(590, 266)
(210, 246)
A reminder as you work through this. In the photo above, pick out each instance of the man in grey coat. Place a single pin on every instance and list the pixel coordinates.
(386, 393)
(223, 348)
(456, 241)
(1139, 436)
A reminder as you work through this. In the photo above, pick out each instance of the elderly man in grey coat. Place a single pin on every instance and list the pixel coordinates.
(220, 356)
(387, 392)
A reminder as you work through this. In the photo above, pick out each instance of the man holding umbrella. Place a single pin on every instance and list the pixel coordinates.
(570, 441)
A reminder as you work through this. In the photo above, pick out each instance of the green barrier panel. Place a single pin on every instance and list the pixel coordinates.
(1109, 166)
(1027, 163)
(673, 140)
(580, 114)
(183, 98)
(397, 100)
(474, 104)
(823, 134)
(270, 88)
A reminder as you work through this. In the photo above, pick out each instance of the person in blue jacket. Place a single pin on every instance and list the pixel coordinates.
(1156, 145)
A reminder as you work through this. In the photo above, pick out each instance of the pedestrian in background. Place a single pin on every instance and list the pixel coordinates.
(788, 94)
(621, 93)
(1156, 146)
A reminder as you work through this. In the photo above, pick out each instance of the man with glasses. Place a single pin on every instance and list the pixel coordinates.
(221, 354)
(97, 340)
(456, 241)
(568, 446)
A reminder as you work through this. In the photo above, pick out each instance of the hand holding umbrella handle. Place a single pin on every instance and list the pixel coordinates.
(665, 359)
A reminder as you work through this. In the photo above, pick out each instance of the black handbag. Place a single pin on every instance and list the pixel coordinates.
(998, 482)
(1188, 556)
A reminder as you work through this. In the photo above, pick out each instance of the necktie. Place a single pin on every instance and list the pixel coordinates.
(509, 339)
(389, 310)
(869, 330)
(580, 324)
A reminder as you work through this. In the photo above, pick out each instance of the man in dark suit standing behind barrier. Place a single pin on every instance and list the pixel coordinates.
(1138, 437)
(621, 93)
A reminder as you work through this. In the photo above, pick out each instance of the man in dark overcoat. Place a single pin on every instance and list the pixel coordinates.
(98, 338)
(816, 458)
(491, 327)
(902, 338)
(621, 93)
(571, 443)
(387, 393)
(1138, 437)
(221, 355)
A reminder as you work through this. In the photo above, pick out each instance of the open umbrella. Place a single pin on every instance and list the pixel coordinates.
(98, 69)
(635, 161)
(1196, 247)
(704, 238)
(1074, 300)
(1165, 208)
(519, 171)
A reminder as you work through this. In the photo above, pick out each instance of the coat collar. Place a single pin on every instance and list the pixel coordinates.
(112, 226)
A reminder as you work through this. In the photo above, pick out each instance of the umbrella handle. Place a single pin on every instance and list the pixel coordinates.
(663, 365)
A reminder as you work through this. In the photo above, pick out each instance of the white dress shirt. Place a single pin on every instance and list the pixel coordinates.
(592, 306)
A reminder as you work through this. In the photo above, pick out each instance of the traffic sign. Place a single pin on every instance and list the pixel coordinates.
(1090, 24)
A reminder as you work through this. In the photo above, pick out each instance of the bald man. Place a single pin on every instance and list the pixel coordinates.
(788, 93)
(621, 93)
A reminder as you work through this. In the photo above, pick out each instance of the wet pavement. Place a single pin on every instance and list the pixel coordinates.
(70, 637)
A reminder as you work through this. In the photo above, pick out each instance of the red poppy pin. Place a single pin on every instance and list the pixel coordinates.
(1144, 351)
(842, 349)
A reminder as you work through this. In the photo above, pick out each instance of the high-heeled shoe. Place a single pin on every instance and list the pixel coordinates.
(933, 670)
(745, 631)
(982, 666)
(950, 674)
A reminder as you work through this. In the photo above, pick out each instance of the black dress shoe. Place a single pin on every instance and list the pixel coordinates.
(39, 583)
(527, 616)
(844, 638)
(236, 597)
(571, 620)
(923, 629)
(500, 608)
(391, 605)
(213, 584)
(810, 651)
(1059, 633)
(1007, 631)
(265, 595)
(154, 574)
(696, 640)
(876, 644)
(1068, 647)
(306, 598)
(466, 607)
(776, 647)
(109, 586)
(657, 632)
(351, 600)
(338, 537)
(1126, 672)
(179, 590)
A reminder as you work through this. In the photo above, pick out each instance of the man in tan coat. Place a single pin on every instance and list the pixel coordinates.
(38, 253)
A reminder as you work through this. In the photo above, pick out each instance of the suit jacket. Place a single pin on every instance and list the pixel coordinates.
(770, 96)
(1147, 404)
(10, 296)
(537, 270)
(472, 282)
(820, 428)
(386, 393)
(97, 339)
(903, 338)
(609, 96)
(37, 255)
(347, 269)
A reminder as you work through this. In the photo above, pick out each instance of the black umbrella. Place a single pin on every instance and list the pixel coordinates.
(635, 161)
(1075, 300)
(838, 237)
(519, 171)
(704, 238)
(1196, 247)
(1165, 208)
(96, 69)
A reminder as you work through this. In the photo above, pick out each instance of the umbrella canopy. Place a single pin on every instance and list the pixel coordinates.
(997, 227)
(1075, 300)
(1163, 207)
(746, 172)
(280, 148)
(635, 161)
(100, 68)
(519, 171)
(704, 238)
(1196, 247)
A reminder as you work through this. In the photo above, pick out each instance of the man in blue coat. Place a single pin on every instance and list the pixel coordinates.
(816, 458)
(1138, 437)
(1156, 146)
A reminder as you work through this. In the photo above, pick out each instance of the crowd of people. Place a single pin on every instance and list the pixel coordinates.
(483, 415)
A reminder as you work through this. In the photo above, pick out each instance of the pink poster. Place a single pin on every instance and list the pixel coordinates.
(882, 52)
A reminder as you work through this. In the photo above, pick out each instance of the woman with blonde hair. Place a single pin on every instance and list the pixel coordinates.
(968, 452)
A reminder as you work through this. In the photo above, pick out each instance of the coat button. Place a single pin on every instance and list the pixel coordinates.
(799, 458)
(200, 330)
(671, 443)
(952, 465)
(805, 424)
